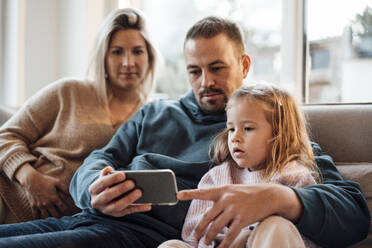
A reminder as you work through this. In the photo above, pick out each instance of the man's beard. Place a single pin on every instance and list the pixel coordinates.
(212, 106)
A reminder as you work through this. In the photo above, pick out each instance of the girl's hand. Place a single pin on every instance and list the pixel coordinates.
(43, 192)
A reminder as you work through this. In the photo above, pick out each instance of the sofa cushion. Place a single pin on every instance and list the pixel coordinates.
(362, 174)
(5, 114)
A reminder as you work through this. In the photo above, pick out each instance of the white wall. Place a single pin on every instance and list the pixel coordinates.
(10, 48)
(72, 38)
(41, 47)
(44, 40)
(2, 12)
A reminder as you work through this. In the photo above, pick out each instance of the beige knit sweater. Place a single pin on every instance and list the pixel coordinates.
(54, 131)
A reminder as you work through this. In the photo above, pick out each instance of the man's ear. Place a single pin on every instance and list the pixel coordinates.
(246, 64)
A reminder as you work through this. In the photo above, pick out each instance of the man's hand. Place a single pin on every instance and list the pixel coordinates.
(238, 206)
(43, 192)
(106, 191)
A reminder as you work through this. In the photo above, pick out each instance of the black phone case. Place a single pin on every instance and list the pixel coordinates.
(158, 186)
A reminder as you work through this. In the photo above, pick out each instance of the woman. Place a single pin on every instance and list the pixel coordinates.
(43, 144)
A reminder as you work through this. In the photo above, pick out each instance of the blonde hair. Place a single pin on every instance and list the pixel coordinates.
(120, 19)
(290, 140)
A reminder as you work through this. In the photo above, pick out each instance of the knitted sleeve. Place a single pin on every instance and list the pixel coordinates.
(24, 128)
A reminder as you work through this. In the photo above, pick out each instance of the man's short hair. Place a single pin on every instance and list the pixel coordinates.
(212, 26)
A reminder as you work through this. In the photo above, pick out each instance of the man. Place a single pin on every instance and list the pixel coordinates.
(176, 135)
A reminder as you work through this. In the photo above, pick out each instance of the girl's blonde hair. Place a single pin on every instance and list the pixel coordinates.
(120, 19)
(290, 138)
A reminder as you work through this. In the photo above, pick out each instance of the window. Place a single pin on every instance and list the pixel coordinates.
(169, 20)
(340, 44)
(319, 59)
(337, 68)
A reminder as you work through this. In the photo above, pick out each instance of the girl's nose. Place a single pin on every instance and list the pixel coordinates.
(236, 137)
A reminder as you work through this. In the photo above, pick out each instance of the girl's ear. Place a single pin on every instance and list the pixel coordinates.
(246, 64)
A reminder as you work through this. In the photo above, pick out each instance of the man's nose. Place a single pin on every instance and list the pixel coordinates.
(207, 80)
(127, 60)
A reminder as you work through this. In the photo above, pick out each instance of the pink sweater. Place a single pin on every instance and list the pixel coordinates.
(294, 174)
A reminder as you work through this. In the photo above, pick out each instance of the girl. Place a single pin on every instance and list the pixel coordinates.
(43, 144)
(265, 141)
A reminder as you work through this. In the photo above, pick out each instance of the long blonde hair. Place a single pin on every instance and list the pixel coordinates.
(290, 140)
(120, 19)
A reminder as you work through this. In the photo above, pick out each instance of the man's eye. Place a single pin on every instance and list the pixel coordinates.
(217, 68)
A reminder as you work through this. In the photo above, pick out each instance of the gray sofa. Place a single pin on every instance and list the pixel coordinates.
(5, 114)
(344, 132)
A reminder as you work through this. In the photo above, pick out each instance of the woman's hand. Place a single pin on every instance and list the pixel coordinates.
(106, 194)
(43, 192)
(238, 206)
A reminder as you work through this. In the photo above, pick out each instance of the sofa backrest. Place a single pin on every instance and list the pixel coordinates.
(343, 131)
(5, 114)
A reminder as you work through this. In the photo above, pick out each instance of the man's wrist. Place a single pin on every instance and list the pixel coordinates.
(288, 204)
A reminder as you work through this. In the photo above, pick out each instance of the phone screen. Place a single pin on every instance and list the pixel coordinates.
(158, 186)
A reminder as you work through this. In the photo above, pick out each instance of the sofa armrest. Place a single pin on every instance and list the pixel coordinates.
(5, 114)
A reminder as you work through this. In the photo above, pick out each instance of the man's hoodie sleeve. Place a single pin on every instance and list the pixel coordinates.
(118, 153)
(335, 213)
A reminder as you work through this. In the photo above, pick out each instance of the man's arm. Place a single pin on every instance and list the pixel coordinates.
(92, 183)
(335, 213)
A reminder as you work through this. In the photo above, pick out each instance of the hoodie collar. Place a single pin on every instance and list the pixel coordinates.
(191, 106)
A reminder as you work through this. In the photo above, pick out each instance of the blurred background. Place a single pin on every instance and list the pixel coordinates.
(320, 50)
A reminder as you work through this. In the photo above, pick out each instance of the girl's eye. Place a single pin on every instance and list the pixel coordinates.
(231, 129)
(248, 129)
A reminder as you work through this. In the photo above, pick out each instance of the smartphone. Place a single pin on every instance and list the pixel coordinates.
(158, 187)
